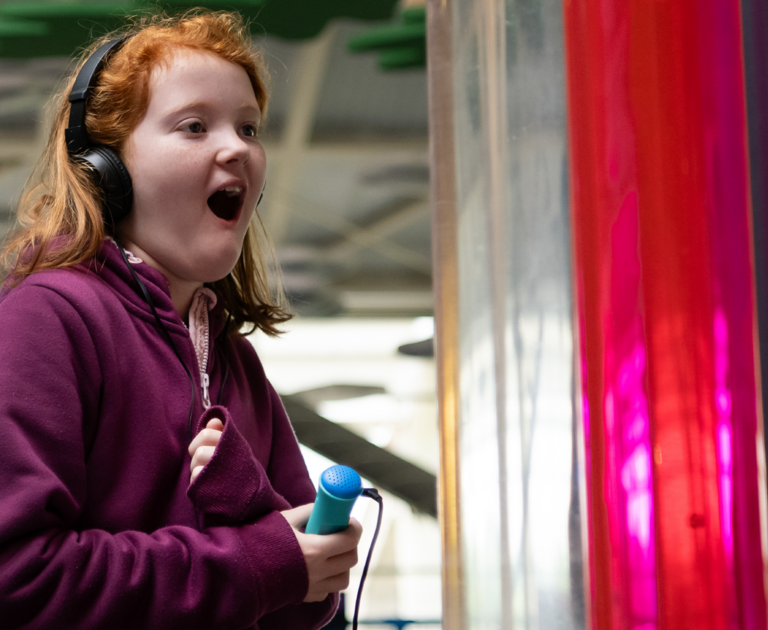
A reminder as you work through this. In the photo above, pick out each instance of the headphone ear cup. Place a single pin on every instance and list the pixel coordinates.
(112, 177)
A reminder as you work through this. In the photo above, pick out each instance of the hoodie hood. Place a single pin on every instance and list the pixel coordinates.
(110, 265)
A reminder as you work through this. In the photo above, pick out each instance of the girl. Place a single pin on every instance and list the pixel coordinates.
(134, 270)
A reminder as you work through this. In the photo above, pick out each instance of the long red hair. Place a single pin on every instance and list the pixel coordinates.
(60, 198)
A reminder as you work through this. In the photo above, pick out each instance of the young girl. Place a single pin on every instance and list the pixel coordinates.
(150, 476)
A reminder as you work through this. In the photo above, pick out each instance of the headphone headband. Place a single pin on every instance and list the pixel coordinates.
(76, 134)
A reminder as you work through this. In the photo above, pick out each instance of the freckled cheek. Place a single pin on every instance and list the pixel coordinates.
(258, 174)
(181, 175)
(261, 158)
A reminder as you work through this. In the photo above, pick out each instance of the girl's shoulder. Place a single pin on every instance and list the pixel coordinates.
(78, 285)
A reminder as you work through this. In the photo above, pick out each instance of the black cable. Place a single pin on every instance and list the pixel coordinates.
(166, 335)
(371, 493)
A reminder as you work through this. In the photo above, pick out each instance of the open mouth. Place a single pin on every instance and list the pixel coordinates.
(226, 203)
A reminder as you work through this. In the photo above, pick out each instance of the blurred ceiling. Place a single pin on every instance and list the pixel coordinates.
(42, 28)
(346, 202)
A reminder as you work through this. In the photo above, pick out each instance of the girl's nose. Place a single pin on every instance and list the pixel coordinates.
(233, 149)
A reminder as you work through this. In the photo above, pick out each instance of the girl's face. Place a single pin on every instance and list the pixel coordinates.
(197, 167)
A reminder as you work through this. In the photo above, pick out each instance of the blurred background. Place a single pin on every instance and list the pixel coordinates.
(346, 206)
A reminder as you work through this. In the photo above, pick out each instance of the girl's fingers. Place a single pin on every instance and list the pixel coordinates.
(333, 584)
(319, 590)
(195, 472)
(201, 456)
(341, 542)
(206, 437)
(215, 424)
(298, 516)
(338, 565)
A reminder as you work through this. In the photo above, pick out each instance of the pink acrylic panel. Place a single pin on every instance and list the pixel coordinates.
(664, 279)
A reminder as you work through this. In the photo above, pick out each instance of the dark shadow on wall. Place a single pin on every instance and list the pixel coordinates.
(755, 25)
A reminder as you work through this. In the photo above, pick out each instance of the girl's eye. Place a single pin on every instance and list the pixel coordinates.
(250, 131)
(193, 127)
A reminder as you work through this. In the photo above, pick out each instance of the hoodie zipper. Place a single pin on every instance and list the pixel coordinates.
(201, 298)
(199, 329)
(206, 383)
(204, 378)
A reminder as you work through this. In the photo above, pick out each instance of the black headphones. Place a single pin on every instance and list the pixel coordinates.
(108, 170)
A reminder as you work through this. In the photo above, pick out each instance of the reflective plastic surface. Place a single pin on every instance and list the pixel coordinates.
(520, 465)
(665, 290)
(445, 281)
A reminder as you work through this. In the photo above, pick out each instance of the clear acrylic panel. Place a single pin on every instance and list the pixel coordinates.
(521, 463)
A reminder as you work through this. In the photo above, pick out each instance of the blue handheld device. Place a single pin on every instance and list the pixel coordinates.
(338, 490)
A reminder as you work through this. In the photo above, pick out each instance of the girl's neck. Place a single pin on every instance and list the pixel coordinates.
(182, 291)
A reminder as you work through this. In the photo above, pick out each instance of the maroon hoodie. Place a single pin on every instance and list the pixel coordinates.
(99, 526)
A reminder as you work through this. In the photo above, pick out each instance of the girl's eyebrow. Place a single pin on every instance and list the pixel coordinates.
(244, 109)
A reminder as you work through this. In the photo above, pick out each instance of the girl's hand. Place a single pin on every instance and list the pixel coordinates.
(329, 558)
(202, 447)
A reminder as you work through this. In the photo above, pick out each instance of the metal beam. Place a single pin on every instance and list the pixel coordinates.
(308, 80)
(415, 149)
(386, 470)
(319, 215)
(372, 235)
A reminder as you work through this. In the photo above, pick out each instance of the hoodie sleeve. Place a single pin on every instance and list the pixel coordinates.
(290, 478)
(282, 460)
(233, 488)
(58, 574)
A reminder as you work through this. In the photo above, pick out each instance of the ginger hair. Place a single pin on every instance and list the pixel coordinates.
(59, 214)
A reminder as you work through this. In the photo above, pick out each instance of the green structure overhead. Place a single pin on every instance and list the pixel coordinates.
(49, 28)
(402, 44)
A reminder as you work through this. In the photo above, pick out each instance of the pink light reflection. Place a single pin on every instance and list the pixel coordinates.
(628, 454)
(724, 431)
(627, 410)
(726, 486)
(636, 476)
